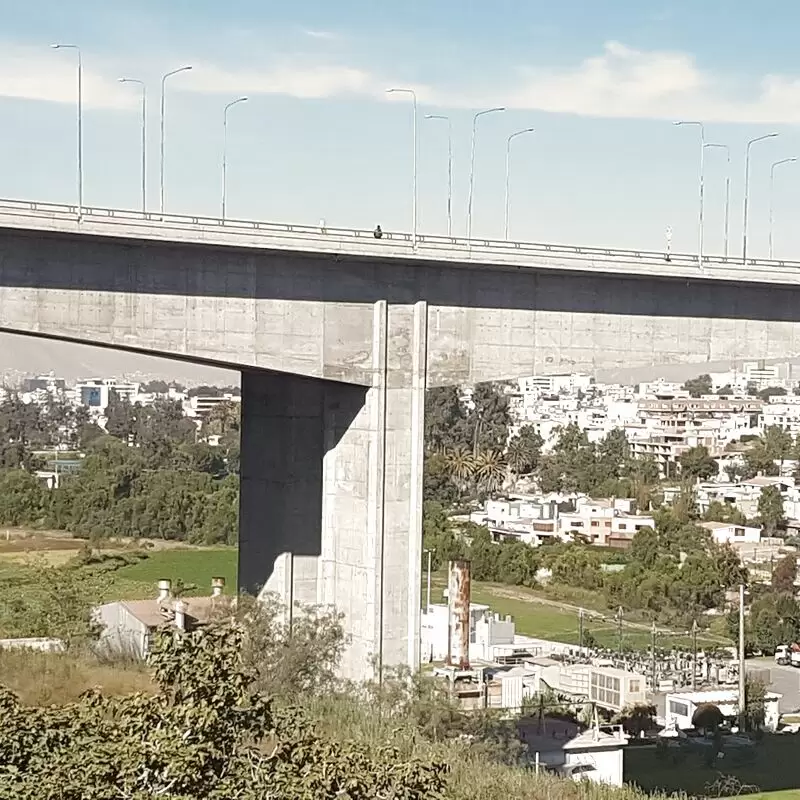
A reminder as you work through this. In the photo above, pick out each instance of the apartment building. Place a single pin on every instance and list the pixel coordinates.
(608, 523)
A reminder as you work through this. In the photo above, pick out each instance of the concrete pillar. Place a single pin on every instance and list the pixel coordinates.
(331, 492)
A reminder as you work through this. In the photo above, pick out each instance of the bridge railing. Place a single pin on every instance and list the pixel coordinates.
(425, 242)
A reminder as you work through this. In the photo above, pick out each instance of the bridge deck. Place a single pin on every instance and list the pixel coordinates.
(201, 230)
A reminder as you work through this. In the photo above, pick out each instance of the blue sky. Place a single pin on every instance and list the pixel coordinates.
(319, 139)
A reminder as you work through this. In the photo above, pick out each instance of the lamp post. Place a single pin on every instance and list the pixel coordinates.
(727, 192)
(428, 589)
(702, 181)
(163, 87)
(771, 202)
(77, 49)
(472, 164)
(413, 161)
(449, 169)
(225, 152)
(144, 137)
(508, 177)
(747, 188)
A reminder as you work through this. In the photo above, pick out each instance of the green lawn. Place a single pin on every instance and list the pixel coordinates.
(544, 621)
(775, 771)
(192, 566)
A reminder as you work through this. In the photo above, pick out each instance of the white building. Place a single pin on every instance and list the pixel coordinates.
(604, 522)
(96, 392)
(680, 707)
(199, 406)
(565, 383)
(744, 496)
(785, 415)
(531, 521)
(728, 533)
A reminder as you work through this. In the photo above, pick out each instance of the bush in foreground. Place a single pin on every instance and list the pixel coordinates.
(204, 734)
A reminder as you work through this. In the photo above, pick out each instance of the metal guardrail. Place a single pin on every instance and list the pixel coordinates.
(425, 242)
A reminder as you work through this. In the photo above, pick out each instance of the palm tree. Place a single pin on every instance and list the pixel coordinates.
(460, 464)
(519, 455)
(490, 469)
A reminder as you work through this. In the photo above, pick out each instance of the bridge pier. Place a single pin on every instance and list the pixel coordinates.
(331, 492)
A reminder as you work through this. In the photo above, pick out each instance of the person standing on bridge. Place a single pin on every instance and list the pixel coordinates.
(377, 233)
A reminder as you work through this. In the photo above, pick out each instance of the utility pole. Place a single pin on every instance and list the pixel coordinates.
(694, 655)
(742, 686)
(619, 631)
(653, 635)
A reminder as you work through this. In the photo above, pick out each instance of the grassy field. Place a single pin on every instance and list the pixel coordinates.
(196, 566)
(193, 565)
(546, 621)
(775, 771)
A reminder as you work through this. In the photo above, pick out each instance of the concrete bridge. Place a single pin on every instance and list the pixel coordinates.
(338, 334)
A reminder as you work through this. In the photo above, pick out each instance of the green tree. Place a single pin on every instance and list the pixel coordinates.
(696, 463)
(524, 451)
(770, 509)
(645, 548)
(121, 419)
(724, 512)
(771, 391)
(490, 470)
(487, 423)
(572, 465)
(698, 386)
(784, 574)
(437, 482)
(445, 420)
(23, 501)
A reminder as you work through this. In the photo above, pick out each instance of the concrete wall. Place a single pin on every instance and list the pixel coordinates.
(312, 314)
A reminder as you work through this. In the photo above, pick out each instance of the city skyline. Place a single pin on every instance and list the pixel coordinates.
(320, 139)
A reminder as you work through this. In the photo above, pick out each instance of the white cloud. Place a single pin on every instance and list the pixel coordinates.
(324, 35)
(621, 82)
(302, 81)
(625, 82)
(50, 75)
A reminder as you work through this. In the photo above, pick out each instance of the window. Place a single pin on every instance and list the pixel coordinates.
(595, 523)
(680, 709)
(623, 526)
(634, 687)
(738, 532)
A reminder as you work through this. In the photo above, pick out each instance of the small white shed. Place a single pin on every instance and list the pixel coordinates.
(597, 756)
(680, 707)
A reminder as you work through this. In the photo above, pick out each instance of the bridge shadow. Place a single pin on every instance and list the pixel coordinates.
(63, 261)
(289, 424)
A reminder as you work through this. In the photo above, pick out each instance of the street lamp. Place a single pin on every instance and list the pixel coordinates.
(702, 174)
(727, 192)
(225, 151)
(428, 592)
(508, 175)
(472, 165)
(449, 169)
(161, 170)
(144, 137)
(80, 120)
(771, 188)
(413, 162)
(747, 188)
